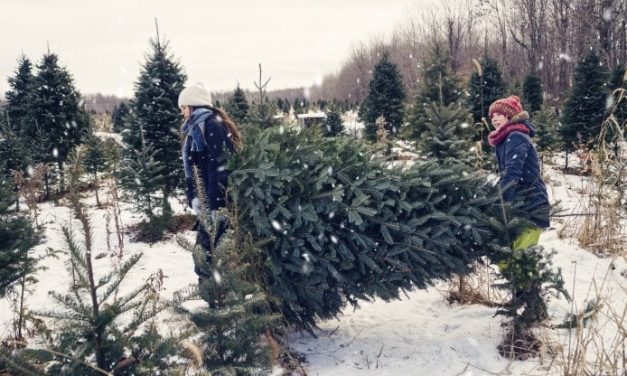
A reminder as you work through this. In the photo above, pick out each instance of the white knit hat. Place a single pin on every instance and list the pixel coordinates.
(195, 95)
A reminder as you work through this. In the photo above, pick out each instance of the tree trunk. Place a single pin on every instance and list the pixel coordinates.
(96, 186)
(61, 176)
(17, 198)
(47, 184)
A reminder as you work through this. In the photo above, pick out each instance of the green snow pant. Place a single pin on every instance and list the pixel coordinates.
(527, 238)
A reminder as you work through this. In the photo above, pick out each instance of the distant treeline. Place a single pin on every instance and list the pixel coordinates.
(545, 36)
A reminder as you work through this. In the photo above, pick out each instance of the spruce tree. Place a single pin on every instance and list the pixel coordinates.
(17, 97)
(279, 104)
(298, 106)
(155, 107)
(332, 125)
(532, 93)
(486, 85)
(262, 112)
(17, 236)
(237, 106)
(238, 310)
(339, 225)
(55, 112)
(94, 160)
(546, 123)
(585, 108)
(385, 98)
(15, 154)
(94, 330)
(118, 116)
(447, 133)
(142, 176)
(437, 84)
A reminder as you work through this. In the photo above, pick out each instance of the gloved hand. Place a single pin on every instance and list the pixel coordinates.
(195, 204)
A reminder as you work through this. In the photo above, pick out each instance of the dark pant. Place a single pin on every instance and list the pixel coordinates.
(203, 237)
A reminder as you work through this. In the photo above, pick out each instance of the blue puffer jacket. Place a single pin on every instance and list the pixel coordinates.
(520, 175)
(206, 147)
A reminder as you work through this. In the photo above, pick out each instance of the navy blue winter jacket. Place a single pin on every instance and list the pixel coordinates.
(206, 147)
(520, 175)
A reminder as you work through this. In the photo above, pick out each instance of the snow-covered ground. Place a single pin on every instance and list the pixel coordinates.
(419, 335)
(425, 335)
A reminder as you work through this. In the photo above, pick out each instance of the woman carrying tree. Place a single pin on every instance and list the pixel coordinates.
(519, 168)
(209, 136)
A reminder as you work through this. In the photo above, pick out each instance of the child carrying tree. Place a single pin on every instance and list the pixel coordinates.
(519, 168)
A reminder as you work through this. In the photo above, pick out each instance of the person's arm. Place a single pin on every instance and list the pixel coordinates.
(215, 136)
(188, 167)
(517, 148)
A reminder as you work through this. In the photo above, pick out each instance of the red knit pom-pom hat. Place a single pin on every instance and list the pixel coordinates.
(509, 107)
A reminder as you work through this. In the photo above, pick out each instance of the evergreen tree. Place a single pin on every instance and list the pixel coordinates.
(18, 96)
(486, 85)
(446, 137)
(546, 123)
(299, 106)
(14, 153)
(529, 278)
(55, 112)
(279, 104)
(238, 311)
(155, 108)
(94, 160)
(437, 85)
(17, 236)
(262, 113)
(332, 125)
(142, 176)
(118, 116)
(339, 225)
(238, 107)
(384, 99)
(585, 108)
(532, 93)
(92, 331)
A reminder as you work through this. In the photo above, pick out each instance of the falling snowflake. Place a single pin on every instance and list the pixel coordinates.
(333, 239)
(217, 277)
(276, 225)
(55, 152)
(609, 102)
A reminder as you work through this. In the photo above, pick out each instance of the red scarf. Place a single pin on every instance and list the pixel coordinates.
(497, 136)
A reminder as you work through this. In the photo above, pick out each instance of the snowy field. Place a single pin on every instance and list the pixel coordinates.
(420, 335)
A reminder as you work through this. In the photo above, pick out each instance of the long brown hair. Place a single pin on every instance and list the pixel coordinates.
(233, 132)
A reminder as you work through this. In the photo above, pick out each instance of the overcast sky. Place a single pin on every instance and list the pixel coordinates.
(219, 43)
